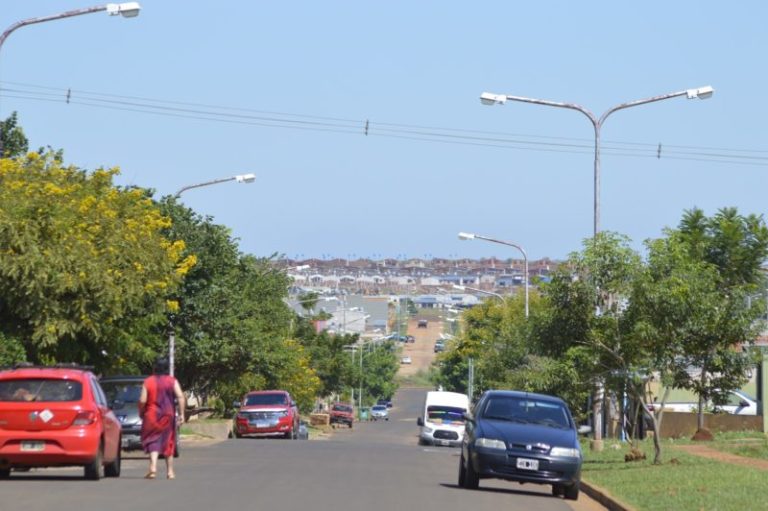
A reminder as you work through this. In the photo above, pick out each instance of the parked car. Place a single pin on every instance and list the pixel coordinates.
(342, 413)
(379, 412)
(734, 402)
(267, 413)
(123, 393)
(385, 402)
(523, 437)
(439, 346)
(423, 323)
(57, 416)
(406, 360)
(410, 338)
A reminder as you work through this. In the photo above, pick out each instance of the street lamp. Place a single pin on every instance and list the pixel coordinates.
(478, 290)
(471, 236)
(489, 98)
(241, 178)
(125, 9)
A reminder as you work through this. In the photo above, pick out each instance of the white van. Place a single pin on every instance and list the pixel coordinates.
(442, 418)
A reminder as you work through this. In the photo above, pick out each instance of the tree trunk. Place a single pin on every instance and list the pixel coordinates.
(656, 439)
(702, 398)
(638, 396)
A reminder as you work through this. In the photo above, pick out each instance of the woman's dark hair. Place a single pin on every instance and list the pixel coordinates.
(161, 366)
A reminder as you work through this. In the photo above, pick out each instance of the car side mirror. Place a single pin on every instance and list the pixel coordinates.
(236, 404)
(419, 421)
(744, 403)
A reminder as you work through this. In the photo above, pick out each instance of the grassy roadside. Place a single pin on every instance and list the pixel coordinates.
(420, 379)
(683, 482)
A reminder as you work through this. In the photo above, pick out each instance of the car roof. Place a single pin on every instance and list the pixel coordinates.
(253, 392)
(126, 377)
(64, 372)
(521, 394)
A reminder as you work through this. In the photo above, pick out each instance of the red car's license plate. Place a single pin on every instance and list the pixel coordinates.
(32, 446)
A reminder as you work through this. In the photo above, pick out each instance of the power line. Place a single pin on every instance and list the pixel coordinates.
(451, 136)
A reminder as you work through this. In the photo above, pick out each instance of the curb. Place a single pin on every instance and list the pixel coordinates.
(604, 497)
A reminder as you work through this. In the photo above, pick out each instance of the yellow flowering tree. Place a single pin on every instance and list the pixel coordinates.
(84, 266)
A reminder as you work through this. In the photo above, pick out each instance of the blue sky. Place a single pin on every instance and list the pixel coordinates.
(289, 87)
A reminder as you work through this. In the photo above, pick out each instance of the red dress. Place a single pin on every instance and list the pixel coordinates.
(158, 427)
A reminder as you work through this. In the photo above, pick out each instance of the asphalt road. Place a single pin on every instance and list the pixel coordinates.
(374, 466)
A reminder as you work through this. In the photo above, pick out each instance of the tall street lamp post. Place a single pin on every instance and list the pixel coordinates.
(241, 178)
(472, 236)
(125, 9)
(489, 98)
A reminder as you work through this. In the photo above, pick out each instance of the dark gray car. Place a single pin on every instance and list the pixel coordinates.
(123, 394)
(524, 437)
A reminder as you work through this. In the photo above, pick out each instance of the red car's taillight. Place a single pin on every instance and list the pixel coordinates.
(84, 418)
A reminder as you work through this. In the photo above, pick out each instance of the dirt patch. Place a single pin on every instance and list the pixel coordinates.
(708, 452)
(703, 435)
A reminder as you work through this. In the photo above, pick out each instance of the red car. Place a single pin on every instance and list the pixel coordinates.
(56, 416)
(267, 413)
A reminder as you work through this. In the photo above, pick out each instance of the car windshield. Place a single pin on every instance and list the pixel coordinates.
(342, 408)
(379, 408)
(265, 399)
(445, 414)
(40, 389)
(526, 410)
(127, 392)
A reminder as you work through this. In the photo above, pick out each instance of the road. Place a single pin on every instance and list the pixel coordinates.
(422, 350)
(375, 466)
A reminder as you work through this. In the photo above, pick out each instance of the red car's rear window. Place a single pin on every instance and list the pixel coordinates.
(40, 389)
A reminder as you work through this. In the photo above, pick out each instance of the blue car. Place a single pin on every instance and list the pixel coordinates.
(523, 437)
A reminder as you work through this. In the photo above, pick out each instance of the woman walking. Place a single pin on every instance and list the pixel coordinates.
(157, 407)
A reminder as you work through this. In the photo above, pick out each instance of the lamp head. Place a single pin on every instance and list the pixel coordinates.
(245, 178)
(125, 9)
(701, 93)
(466, 236)
(489, 98)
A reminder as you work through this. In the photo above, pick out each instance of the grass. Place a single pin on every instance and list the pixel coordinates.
(420, 379)
(687, 483)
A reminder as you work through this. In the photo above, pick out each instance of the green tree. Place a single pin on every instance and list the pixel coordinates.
(584, 323)
(694, 298)
(84, 267)
(377, 372)
(12, 139)
(330, 357)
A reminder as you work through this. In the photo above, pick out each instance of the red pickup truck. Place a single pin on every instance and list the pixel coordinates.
(342, 413)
